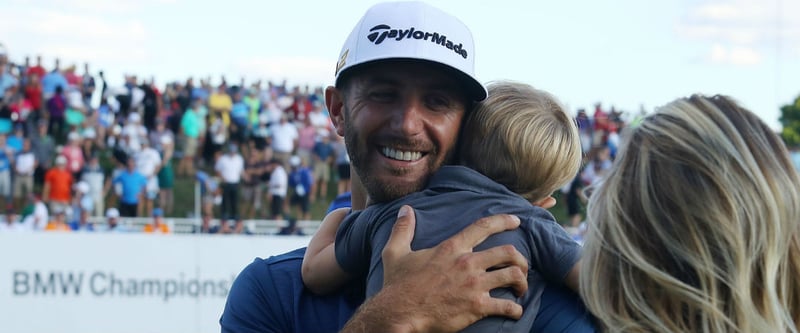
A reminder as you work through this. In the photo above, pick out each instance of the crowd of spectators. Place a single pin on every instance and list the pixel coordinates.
(76, 148)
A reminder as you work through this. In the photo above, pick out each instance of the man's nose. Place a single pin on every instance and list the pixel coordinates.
(408, 119)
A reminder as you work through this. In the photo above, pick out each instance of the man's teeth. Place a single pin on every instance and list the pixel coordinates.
(401, 155)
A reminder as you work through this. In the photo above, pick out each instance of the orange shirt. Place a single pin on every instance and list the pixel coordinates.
(57, 226)
(162, 228)
(60, 184)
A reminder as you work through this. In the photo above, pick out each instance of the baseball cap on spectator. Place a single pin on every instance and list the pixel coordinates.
(82, 187)
(61, 160)
(134, 117)
(232, 148)
(412, 30)
(112, 213)
(294, 161)
(158, 212)
(73, 136)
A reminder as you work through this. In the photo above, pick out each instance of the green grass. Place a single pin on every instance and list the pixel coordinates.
(184, 201)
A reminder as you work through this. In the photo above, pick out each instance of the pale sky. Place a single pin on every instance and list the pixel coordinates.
(624, 53)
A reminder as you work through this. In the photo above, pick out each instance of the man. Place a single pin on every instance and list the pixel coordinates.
(44, 147)
(148, 163)
(133, 185)
(300, 181)
(229, 168)
(58, 186)
(398, 102)
(6, 167)
(24, 166)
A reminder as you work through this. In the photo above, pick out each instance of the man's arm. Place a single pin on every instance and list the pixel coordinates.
(445, 288)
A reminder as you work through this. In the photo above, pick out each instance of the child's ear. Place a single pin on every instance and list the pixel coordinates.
(545, 203)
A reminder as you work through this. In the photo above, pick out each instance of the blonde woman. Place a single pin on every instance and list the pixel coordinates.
(695, 229)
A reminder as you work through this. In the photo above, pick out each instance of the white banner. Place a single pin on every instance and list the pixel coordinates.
(117, 283)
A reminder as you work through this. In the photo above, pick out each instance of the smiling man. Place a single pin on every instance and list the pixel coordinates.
(404, 82)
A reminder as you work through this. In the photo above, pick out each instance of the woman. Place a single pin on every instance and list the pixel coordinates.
(695, 229)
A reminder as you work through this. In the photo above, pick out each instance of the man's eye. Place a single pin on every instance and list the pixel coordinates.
(438, 102)
(382, 96)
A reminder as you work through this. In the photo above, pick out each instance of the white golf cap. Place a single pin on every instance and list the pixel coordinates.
(416, 31)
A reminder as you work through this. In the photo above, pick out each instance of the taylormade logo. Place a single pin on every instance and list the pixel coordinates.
(380, 32)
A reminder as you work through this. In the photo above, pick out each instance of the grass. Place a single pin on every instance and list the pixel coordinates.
(184, 201)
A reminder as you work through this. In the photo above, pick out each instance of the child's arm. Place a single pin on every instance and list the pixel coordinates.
(321, 272)
(572, 278)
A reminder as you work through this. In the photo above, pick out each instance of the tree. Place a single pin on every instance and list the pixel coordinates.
(790, 119)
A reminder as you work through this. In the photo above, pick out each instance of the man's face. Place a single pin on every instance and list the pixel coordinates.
(400, 122)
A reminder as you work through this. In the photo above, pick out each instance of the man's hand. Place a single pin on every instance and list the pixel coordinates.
(444, 288)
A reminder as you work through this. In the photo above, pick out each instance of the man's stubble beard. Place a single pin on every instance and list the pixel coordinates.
(379, 192)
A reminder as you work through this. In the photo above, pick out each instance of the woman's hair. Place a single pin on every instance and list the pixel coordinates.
(522, 138)
(695, 229)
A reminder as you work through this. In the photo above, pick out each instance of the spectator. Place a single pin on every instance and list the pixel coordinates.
(284, 140)
(597, 167)
(94, 176)
(148, 164)
(166, 176)
(24, 167)
(8, 82)
(229, 168)
(58, 186)
(14, 141)
(44, 147)
(112, 219)
(342, 165)
(35, 215)
(132, 186)
(87, 86)
(291, 228)
(253, 105)
(306, 139)
(6, 163)
(74, 154)
(134, 134)
(82, 209)
(11, 222)
(51, 81)
(220, 104)
(278, 188)
(36, 70)
(322, 157)
(300, 180)
(251, 186)
(33, 93)
(57, 108)
(240, 124)
(210, 192)
(59, 221)
(157, 226)
(190, 134)
(157, 136)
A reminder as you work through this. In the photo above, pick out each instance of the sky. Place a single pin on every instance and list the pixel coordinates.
(625, 53)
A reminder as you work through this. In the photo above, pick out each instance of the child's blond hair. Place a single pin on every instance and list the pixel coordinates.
(522, 138)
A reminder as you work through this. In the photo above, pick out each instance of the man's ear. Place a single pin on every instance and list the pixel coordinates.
(334, 100)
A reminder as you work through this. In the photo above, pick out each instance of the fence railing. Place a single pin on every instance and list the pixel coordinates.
(192, 225)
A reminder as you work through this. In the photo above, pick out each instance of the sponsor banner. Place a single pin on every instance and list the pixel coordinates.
(96, 282)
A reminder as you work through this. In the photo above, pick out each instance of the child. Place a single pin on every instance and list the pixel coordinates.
(517, 148)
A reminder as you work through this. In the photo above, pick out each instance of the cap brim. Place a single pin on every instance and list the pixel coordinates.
(474, 90)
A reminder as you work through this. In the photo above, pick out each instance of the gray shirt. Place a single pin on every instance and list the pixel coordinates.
(456, 197)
